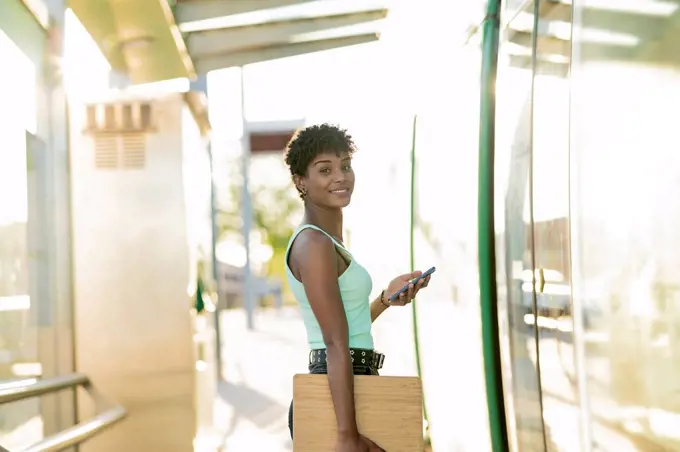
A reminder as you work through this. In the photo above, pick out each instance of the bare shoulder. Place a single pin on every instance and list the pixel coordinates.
(312, 249)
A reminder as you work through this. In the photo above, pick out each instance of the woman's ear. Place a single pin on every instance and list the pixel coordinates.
(299, 183)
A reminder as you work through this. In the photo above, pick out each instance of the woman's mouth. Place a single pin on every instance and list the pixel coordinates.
(342, 191)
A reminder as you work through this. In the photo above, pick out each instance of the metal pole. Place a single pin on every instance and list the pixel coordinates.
(486, 236)
(215, 263)
(248, 301)
(412, 264)
(201, 85)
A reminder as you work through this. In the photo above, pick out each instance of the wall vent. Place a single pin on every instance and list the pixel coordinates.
(119, 151)
(134, 150)
(105, 152)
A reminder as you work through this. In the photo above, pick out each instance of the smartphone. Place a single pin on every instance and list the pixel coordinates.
(413, 281)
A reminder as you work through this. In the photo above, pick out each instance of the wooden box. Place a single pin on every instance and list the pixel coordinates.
(389, 412)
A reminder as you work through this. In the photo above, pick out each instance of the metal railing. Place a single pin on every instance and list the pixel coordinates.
(32, 387)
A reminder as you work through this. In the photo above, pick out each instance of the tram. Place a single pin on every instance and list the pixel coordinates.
(567, 213)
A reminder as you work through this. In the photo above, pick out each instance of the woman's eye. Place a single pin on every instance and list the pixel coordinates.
(325, 170)
(347, 168)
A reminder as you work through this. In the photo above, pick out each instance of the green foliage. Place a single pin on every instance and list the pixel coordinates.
(274, 215)
(274, 209)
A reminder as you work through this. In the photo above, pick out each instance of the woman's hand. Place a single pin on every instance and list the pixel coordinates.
(400, 281)
(358, 443)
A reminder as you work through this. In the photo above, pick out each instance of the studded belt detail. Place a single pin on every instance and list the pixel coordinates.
(359, 356)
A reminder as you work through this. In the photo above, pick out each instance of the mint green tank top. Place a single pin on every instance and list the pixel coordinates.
(355, 288)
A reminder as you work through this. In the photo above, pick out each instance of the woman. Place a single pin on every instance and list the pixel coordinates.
(329, 284)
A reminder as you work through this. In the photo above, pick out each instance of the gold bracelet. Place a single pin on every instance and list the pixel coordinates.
(382, 299)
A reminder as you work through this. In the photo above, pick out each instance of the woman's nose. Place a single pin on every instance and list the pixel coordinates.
(339, 176)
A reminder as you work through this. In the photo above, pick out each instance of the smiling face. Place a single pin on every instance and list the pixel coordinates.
(329, 181)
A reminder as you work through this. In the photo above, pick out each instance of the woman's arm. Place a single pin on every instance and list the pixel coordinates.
(316, 261)
(378, 306)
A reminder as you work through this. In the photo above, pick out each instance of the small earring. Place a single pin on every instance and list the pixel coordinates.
(303, 192)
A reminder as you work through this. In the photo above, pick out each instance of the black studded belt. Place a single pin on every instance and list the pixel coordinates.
(359, 356)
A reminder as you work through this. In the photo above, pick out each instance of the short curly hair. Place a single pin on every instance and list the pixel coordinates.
(311, 141)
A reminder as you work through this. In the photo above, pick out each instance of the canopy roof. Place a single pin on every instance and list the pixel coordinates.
(156, 40)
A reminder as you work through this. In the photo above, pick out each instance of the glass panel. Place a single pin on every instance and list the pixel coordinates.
(559, 383)
(625, 219)
(21, 424)
(514, 257)
(18, 335)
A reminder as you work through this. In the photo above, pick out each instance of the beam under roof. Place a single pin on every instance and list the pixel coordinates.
(98, 19)
(257, 55)
(144, 40)
(233, 39)
(197, 10)
(138, 38)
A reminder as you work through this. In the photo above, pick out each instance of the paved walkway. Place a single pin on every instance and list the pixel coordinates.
(256, 390)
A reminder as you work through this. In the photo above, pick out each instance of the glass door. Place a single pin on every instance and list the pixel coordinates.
(514, 233)
(626, 217)
(20, 422)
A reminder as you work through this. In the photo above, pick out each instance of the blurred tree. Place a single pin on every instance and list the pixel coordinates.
(275, 212)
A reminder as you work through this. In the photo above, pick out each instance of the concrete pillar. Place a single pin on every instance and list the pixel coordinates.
(134, 254)
(55, 311)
